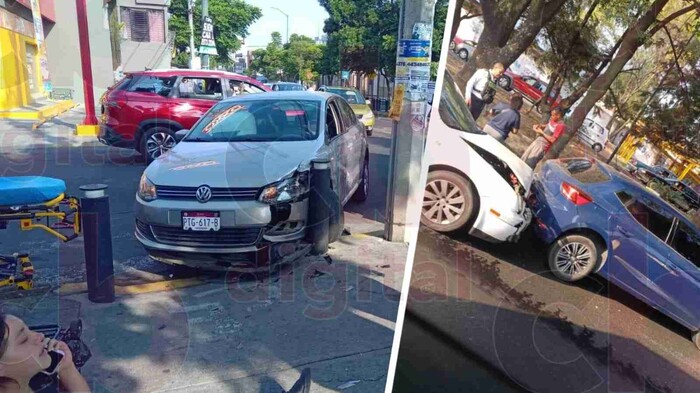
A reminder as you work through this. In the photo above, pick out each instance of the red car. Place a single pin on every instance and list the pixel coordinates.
(145, 109)
(531, 88)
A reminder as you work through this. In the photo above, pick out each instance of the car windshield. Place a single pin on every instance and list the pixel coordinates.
(453, 109)
(351, 96)
(259, 121)
(289, 87)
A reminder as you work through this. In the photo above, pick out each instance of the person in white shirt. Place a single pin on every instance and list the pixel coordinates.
(481, 88)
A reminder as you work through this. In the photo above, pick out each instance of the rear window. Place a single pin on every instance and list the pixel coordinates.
(454, 111)
(123, 84)
(153, 84)
(585, 171)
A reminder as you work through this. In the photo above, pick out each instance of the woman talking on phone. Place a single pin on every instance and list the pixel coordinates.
(24, 354)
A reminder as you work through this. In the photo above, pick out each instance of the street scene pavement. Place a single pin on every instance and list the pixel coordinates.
(177, 329)
(497, 305)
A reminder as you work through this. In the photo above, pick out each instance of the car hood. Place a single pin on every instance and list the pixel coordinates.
(360, 109)
(230, 164)
(518, 166)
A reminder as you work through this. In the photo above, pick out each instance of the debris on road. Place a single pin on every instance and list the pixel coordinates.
(317, 273)
(349, 384)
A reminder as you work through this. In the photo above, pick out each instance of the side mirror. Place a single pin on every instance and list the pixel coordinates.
(368, 102)
(180, 135)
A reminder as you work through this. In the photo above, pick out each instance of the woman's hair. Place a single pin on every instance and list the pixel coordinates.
(516, 101)
(5, 382)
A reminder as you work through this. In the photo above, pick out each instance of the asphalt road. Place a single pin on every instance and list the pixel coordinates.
(496, 305)
(47, 152)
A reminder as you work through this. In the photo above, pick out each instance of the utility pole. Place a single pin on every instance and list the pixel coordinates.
(190, 18)
(89, 125)
(408, 112)
(205, 13)
(286, 16)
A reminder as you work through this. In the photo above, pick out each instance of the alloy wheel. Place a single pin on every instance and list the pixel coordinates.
(159, 143)
(443, 202)
(573, 258)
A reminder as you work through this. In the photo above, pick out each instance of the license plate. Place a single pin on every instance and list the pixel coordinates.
(201, 221)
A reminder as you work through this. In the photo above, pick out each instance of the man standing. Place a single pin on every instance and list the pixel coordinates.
(481, 88)
(506, 120)
(547, 135)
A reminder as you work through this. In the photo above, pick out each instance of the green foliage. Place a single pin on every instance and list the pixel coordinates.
(231, 18)
(299, 60)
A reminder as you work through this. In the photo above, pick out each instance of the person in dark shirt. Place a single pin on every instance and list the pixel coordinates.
(507, 119)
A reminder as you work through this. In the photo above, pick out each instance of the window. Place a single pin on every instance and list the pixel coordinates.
(153, 84)
(258, 121)
(349, 117)
(332, 120)
(687, 243)
(453, 109)
(200, 88)
(143, 25)
(240, 88)
(529, 81)
(585, 171)
(648, 214)
(351, 96)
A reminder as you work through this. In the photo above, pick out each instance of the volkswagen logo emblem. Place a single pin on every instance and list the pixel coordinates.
(203, 194)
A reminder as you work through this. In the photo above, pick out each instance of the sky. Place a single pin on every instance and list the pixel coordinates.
(305, 17)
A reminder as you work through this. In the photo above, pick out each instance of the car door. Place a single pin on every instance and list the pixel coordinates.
(684, 286)
(639, 252)
(355, 140)
(194, 96)
(334, 128)
(147, 97)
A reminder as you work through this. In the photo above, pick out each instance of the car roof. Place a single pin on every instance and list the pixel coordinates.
(340, 88)
(286, 83)
(628, 184)
(195, 73)
(278, 95)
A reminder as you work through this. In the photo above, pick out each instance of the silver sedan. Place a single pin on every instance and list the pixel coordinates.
(237, 185)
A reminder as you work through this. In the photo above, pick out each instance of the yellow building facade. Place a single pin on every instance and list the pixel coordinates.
(20, 72)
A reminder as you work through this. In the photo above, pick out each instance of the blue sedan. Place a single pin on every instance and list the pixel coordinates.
(597, 220)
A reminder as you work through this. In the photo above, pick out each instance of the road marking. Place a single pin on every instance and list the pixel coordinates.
(373, 318)
(210, 292)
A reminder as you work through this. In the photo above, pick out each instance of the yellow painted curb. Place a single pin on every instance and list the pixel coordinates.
(86, 130)
(158, 286)
(41, 114)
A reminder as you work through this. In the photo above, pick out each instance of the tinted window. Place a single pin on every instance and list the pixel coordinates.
(258, 121)
(200, 88)
(687, 243)
(453, 109)
(347, 114)
(123, 84)
(288, 87)
(648, 215)
(332, 119)
(585, 171)
(153, 84)
(241, 88)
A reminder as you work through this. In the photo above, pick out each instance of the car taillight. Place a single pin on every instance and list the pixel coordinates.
(576, 196)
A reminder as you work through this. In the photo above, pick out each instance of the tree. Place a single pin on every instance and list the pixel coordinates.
(231, 18)
(301, 58)
(269, 61)
(635, 36)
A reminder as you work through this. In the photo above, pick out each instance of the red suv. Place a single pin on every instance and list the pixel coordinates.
(531, 88)
(145, 109)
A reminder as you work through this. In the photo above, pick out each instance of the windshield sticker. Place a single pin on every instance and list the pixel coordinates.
(220, 117)
(196, 165)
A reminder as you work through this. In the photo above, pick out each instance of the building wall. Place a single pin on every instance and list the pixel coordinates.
(64, 59)
(137, 56)
(14, 76)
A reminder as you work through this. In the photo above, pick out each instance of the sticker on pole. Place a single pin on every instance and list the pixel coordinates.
(418, 123)
(208, 43)
(395, 110)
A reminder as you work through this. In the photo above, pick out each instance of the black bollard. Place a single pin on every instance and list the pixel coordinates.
(97, 234)
(319, 209)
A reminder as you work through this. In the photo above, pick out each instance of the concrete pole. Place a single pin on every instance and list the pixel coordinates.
(205, 13)
(408, 134)
(190, 17)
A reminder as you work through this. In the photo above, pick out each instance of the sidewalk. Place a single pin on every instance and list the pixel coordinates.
(242, 335)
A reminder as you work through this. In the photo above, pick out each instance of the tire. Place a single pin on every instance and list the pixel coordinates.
(369, 132)
(504, 83)
(696, 339)
(584, 247)
(362, 191)
(463, 54)
(597, 147)
(440, 186)
(156, 141)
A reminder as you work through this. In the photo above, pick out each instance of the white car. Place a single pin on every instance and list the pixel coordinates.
(593, 134)
(474, 182)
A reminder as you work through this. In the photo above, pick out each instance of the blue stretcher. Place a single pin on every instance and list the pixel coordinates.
(30, 199)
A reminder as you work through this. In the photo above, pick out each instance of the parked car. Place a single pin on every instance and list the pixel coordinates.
(145, 109)
(646, 173)
(597, 220)
(691, 194)
(531, 88)
(474, 182)
(357, 102)
(463, 48)
(237, 183)
(286, 86)
(593, 134)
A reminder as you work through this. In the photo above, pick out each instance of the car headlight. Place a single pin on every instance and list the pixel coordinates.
(147, 190)
(368, 115)
(286, 190)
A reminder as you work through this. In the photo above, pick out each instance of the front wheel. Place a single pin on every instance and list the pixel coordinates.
(363, 189)
(597, 148)
(463, 54)
(573, 257)
(448, 202)
(157, 141)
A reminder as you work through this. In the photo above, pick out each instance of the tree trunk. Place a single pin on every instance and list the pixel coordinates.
(114, 36)
(631, 40)
(456, 19)
(498, 43)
